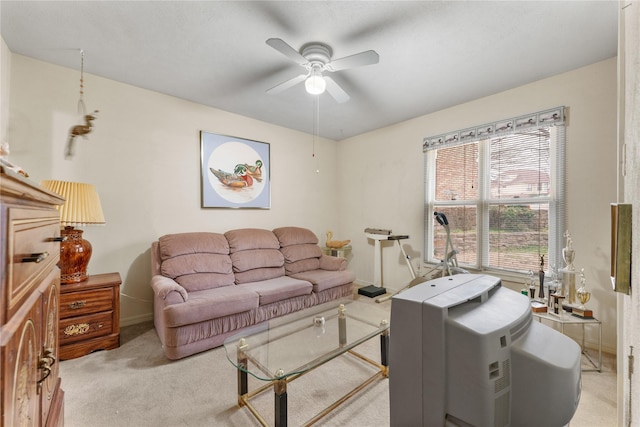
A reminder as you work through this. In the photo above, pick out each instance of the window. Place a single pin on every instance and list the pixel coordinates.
(503, 197)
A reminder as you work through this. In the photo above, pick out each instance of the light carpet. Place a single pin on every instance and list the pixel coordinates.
(135, 385)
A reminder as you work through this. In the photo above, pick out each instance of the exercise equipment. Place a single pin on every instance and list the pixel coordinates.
(448, 266)
(378, 235)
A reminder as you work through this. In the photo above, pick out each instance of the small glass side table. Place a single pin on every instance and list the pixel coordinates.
(342, 252)
(568, 319)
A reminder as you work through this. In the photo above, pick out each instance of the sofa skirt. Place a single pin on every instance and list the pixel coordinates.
(183, 341)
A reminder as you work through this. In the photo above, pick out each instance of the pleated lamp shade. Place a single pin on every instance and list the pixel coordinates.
(81, 207)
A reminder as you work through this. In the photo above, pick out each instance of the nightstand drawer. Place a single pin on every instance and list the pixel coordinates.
(85, 327)
(86, 302)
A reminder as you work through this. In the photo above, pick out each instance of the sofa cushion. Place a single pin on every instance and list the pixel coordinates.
(295, 253)
(300, 249)
(295, 236)
(333, 263)
(257, 258)
(211, 304)
(196, 261)
(251, 238)
(302, 265)
(323, 279)
(201, 281)
(172, 245)
(278, 289)
(259, 274)
(255, 255)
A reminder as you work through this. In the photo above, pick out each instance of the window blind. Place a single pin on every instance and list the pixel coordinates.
(503, 195)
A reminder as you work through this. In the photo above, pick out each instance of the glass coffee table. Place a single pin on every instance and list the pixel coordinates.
(283, 349)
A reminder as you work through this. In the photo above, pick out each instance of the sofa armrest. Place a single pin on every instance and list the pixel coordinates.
(168, 289)
(333, 263)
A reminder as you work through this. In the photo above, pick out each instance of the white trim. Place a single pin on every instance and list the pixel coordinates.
(134, 320)
(546, 118)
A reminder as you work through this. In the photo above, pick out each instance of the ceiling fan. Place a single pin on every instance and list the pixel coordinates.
(315, 57)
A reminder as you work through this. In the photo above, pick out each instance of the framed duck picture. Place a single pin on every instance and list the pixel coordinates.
(234, 172)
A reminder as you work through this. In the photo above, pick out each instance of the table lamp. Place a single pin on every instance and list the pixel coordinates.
(82, 207)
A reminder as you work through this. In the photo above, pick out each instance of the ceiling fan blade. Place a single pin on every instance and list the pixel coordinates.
(335, 90)
(282, 47)
(287, 84)
(361, 59)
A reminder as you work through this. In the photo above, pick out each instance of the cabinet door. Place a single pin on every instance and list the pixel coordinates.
(50, 347)
(20, 356)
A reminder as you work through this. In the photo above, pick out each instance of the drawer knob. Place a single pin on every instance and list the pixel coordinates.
(36, 257)
(77, 304)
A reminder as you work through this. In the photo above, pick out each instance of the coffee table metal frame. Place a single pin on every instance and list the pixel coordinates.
(237, 348)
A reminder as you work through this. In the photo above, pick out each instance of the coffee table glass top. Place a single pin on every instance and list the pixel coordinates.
(301, 341)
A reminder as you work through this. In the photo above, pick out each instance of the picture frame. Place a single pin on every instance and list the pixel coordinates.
(235, 172)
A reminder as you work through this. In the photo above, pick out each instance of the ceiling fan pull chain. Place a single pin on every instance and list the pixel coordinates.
(316, 130)
(316, 127)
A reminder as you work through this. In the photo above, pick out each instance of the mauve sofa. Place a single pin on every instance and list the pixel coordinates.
(208, 286)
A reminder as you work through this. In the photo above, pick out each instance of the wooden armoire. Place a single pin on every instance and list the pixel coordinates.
(29, 304)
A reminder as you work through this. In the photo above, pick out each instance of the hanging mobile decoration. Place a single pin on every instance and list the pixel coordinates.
(82, 129)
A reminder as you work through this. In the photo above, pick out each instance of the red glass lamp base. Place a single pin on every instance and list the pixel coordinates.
(75, 253)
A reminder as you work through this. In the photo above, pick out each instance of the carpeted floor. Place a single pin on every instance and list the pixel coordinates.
(135, 385)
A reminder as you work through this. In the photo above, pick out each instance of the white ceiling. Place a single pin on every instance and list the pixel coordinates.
(433, 54)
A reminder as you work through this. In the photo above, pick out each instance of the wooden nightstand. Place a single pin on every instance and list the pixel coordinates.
(89, 315)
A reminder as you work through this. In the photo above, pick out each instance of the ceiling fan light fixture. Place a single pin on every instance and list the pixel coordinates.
(315, 84)
(316, 58)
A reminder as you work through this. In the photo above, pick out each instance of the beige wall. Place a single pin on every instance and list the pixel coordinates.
(384, 173)
(5, 81)
(143, 157)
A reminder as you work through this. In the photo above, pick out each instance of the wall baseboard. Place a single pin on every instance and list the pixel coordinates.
(134, 320)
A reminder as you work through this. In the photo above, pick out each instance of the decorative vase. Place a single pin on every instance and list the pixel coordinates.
(75, 253)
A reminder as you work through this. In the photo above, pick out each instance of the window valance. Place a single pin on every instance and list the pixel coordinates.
(550, 117)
